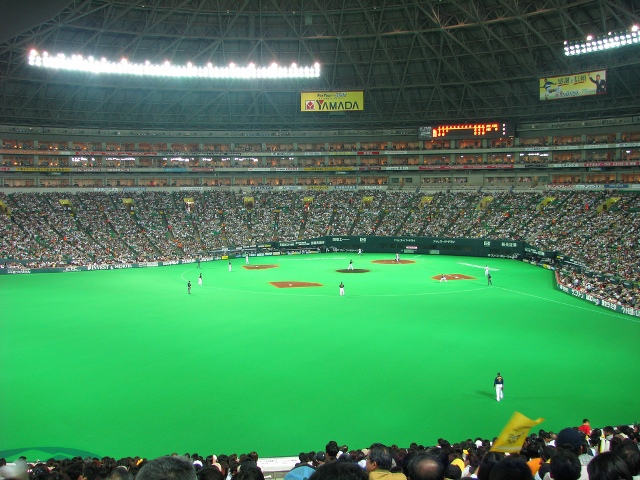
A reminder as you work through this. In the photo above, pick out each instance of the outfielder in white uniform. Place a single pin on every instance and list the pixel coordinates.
(498, 383)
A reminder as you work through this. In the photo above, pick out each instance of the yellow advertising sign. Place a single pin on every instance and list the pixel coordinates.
(574, 85)
(332, 101)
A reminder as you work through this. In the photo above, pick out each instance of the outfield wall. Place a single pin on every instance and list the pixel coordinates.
(428, 245)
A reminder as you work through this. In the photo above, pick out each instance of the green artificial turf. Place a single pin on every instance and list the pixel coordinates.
(125, 362)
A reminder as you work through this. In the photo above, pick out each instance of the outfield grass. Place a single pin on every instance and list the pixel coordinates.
(127, 363)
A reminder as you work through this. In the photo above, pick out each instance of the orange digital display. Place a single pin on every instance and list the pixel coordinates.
(468, 130)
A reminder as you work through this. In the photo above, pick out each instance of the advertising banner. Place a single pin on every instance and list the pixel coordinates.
(573, 85)
(332, 101)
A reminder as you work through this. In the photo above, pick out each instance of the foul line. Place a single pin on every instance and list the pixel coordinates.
(579, 307)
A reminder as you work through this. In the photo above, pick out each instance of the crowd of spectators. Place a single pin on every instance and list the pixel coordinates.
(574, 453)
(598, 231)
(284, 155)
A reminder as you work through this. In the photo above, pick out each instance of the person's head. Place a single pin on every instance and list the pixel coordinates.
(532, 449)
(608, 466)
(570, 439)
(167, 468)
(250, 472)
(597, 77)
(319, 458)
(120, 473)
(513, 467)
(453, 472)
(55, 475)
(210, 473)
(379, 458)
(629, 453)
(565, 465)
(424, 466)
(490, 460)
(339, 471)
(607, 431)
(585, 421)
(332, 447)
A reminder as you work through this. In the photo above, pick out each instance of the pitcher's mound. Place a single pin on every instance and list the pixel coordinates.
(259, 267)
(355, 270)
(295, 284)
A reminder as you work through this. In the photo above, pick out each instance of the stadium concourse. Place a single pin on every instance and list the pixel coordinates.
(599, 244)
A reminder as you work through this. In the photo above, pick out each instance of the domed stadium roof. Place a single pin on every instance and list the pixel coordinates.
(417, 61)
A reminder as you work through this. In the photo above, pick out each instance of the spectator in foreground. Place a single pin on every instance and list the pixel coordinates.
(120, 473)
(565, 465)
(339, 471)
(608, 466)
(167, 468)
(513, 467)
(629, 452)
(379, 463)
(424, 466)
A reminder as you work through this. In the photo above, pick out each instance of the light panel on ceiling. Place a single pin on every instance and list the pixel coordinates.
(90, 64)
(603, 42)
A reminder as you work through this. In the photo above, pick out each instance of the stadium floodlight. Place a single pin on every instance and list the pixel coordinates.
(600, 43)
(90, 64)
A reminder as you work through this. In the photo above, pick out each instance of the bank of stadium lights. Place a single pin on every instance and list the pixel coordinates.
(603, 42)
(90, 64)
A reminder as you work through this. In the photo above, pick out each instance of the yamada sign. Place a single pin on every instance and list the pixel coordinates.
(332, 101)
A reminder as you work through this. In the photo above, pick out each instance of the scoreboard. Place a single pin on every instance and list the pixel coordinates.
(467, 131)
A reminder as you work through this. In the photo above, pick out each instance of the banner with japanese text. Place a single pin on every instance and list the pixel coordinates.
(581, 84)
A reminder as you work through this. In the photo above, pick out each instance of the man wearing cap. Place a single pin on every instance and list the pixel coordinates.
(498, 384)
(319, 459)
(571, 440)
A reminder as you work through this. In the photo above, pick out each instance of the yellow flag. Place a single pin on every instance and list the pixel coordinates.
(514, 433)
